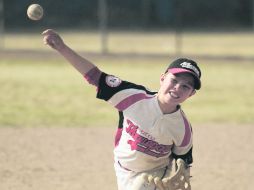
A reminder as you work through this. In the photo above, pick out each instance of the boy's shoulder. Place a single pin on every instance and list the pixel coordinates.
(117, 84)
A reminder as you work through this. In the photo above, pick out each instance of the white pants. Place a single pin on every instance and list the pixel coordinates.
(126, 178)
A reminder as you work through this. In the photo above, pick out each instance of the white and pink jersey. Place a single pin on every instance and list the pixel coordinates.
(146, 138)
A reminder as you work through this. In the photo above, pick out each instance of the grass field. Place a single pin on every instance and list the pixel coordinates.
(50, 108)
(46, 91)
(197, 43)
(51, 93)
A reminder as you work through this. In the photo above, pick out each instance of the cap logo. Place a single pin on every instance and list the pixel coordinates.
(190, 66)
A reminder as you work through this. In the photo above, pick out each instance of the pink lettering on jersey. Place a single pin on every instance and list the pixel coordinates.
(127, 102)
(143, 144)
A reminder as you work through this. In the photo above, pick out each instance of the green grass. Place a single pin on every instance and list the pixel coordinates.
(48, 92)
(227, 94)
(51, 93)
(193, 43)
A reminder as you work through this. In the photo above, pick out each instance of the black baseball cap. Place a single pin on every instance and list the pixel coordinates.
(184, 65)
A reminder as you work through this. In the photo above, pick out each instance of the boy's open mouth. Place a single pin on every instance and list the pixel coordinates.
(173, 95)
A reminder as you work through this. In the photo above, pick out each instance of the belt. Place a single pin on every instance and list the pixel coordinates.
(123, 166)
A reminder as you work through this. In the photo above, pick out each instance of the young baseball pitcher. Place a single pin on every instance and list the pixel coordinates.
(153, 130)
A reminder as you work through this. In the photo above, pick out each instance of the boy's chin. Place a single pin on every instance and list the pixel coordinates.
(171, 102)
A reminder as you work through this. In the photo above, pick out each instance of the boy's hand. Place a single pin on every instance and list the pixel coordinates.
(52, 39)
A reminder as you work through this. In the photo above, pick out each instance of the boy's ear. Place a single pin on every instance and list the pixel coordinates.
(162, 77)
(193, 92)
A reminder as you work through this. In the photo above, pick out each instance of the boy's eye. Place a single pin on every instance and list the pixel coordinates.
(174, 81)
(186, 87)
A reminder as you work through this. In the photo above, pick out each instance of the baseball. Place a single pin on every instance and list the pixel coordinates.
(35, 12)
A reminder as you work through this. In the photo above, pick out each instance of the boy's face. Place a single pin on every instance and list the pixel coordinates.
(175, 89)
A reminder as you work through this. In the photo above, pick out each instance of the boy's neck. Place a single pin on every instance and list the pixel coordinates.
(167, 109)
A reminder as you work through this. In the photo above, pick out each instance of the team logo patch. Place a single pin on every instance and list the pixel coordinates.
(113, 81)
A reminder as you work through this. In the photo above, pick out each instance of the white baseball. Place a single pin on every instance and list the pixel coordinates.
(35, 12)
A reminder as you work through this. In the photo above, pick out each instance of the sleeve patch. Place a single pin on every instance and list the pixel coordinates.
(113, 81)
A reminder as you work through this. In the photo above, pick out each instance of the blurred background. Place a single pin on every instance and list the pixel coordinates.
(131, 14)
(124, 38)
(184, 27)
(54, 133)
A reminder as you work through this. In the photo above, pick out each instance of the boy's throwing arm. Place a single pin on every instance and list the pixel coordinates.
(52, 39)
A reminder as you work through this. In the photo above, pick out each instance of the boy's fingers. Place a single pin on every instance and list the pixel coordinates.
(48, 31)
(45, 32)
(49, 41)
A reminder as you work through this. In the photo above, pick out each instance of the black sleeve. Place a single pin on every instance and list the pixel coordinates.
(110, 85)
(187, 158)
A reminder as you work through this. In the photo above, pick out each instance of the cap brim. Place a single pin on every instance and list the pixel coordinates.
(197, 84)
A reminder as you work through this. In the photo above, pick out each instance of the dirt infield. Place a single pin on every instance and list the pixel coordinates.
(82, 158)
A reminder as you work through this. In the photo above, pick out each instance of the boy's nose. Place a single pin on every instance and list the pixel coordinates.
(177, 86)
